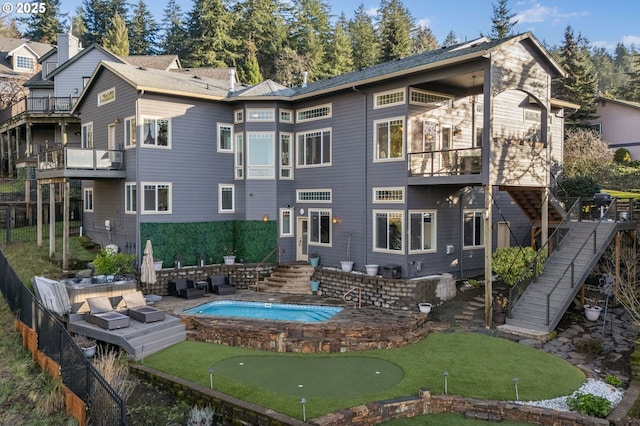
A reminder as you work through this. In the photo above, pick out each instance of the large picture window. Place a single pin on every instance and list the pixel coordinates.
(422, 231)
(131, 198)
(156, 132)
(320, 227)
(314, 148)
(388, 231)
(87, 135)
(260, 155)
(156, 198)
(225, 137)
(389, 139)
(473, 229)
(226, 198)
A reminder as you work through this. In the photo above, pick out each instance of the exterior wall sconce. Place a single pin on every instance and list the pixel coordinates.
(335, 219)
(457, 131)
(117, 120)
(265, 218)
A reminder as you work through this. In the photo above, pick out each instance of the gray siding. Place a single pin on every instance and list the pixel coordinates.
(69, 81)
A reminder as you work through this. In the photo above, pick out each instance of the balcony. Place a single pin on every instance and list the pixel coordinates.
(48, 106)
(81, 163)
(453, 165)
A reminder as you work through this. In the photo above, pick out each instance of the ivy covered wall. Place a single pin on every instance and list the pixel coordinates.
(251, 240)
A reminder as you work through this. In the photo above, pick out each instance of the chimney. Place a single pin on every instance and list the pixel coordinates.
(68, 47)
(232, 80)
(304, 78)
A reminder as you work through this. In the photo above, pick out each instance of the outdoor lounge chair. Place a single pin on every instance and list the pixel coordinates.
(138, 310)
(102, 314)
(221, 284)
(184, 287)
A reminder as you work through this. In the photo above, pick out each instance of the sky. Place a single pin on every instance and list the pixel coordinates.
(603, 23)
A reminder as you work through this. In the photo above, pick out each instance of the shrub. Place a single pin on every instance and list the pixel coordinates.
(622, 155)
(613, 380)
(580, 186)
(590, 405)
(513, 264)
(109, 262)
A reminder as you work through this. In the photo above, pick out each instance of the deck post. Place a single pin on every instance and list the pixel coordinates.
(488, 290)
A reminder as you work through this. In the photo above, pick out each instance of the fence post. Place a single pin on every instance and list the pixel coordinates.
(7, 216)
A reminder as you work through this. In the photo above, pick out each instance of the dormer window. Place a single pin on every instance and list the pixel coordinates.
(24, 63)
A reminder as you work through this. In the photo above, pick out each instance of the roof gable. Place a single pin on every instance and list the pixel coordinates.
(80, 55)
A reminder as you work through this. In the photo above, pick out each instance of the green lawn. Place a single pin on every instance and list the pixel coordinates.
(478, 365)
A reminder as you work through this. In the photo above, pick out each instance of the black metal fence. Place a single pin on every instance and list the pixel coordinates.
(106, 407)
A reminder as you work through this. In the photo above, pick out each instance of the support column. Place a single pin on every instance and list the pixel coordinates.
(544, 216)
(39, 214)
(52, 219)
(63, 133)
(65, 232)
(9, 154)
(3, 139)
(488, 285)
(28, 148)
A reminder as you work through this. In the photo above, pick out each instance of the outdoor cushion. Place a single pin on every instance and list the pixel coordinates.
(101, 313)
(138, 310)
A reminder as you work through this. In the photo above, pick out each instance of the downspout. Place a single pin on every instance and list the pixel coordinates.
(365, 204)
(138, 188)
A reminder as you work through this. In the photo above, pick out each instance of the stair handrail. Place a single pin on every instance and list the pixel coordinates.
(351, 290)
(263, 261)
(571, 265)
(545, 251)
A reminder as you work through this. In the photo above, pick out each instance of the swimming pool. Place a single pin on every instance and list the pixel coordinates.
(266, 310)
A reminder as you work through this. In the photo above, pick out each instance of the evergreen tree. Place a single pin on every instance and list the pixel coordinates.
(340, 55)
(208, 30)
(116, 40)
(364, 43)
(394, 28)
(290, 67)
(580, 84)
(503, 21)
(98, 16)
(45, 26)
(142, 31)
(423, 40)
(249, 71)
(604, 65)
(174, 31)
(9, 27)
(450, 40)
(310, 34)
(632, 89)
(78, 28)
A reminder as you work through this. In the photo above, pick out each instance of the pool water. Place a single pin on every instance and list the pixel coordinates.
(266, 310)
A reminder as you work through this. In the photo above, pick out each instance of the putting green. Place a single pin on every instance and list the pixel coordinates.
(312, 376)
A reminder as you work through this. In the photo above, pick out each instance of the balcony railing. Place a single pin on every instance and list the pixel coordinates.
(42, 105)
(64, 158)
(446, 162)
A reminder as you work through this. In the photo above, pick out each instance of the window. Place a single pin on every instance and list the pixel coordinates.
(422, 97)
(239, 155)
(260, 155)
(262, 114)
(473, 229)
(87, 135)
(156, 132)
(389, 139)
(314, 148)
(286, 116)
(156, 198)
(88, 200)
(387, 99)
(226, 198)
(313, 113)
(317, 195)
(388, 195)
(131, 198)
(225, 132)
(478, 141)
(129, 132)
(286, 156)
(320, 227)
(388, 231)
(238, 116)
(286, 222)
(24, 62)
(85, 81)
(422, 231)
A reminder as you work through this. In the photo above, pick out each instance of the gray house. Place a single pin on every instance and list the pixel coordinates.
(419, 165)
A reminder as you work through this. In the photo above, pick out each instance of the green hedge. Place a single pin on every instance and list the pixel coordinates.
(252, 240)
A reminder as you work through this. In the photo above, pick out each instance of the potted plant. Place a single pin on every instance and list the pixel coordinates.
(314, 260)
(157, 264)
(229, 255)
(372, 270)
(314, 284)
(109, 262)
(86, 344)
(592, 311)
(425, 307)
(500, 303)
(347, 265)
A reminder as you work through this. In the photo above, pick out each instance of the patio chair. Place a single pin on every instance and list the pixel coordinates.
(102, 314)
(221, 284)
(184, 287)
(138, 310)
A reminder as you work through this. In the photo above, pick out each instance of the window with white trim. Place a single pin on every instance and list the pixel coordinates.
(226, 198)
(239, 156)
(260, 114)
(286, 222)
(24, 62)
(320, 227)
(156, 198)
(129, 132)
(433, 99)
(261, 155)
(87, 135)
(313, 195)
(87, 201)
(422, 231)
(286, 156)
(388, 231)
(286, 116)
(388, 195)
(313, 113)
(314, 148)
(473, 228)
(156, 132)
(225, 137)
(389, 139)
(130, 198)
(389, 98)
(238, 116)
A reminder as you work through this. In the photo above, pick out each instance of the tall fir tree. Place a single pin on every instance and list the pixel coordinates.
(502, 21)
(45, 26)
(98, 16)
(631, 90)
(364, 41)
(450, 40)
(208, 29)
(290, 67)
(249, 69)
(394, 27)
(174, 33)
(143, 30)
(9, 27)
(78, 27)
(423, 40)
(580, 85)
(116, 40)
(310, 34)
(340, 55)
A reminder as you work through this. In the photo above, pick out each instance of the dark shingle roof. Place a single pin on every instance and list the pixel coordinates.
(159, 62)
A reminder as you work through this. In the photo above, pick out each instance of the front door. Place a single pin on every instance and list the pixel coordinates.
(302, 239)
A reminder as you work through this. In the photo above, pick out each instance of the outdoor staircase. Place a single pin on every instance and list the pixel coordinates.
(290, 278)
(544, 302)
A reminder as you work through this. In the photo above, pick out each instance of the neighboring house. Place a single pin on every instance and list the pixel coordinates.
(400, 162)
(20, 57)
(619, 124)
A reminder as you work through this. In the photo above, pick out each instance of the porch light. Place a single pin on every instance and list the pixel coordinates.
(335, 219)
(265, 218)
(457, 131)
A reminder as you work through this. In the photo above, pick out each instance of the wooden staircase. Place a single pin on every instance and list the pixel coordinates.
(529, 199)
(292, 278)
